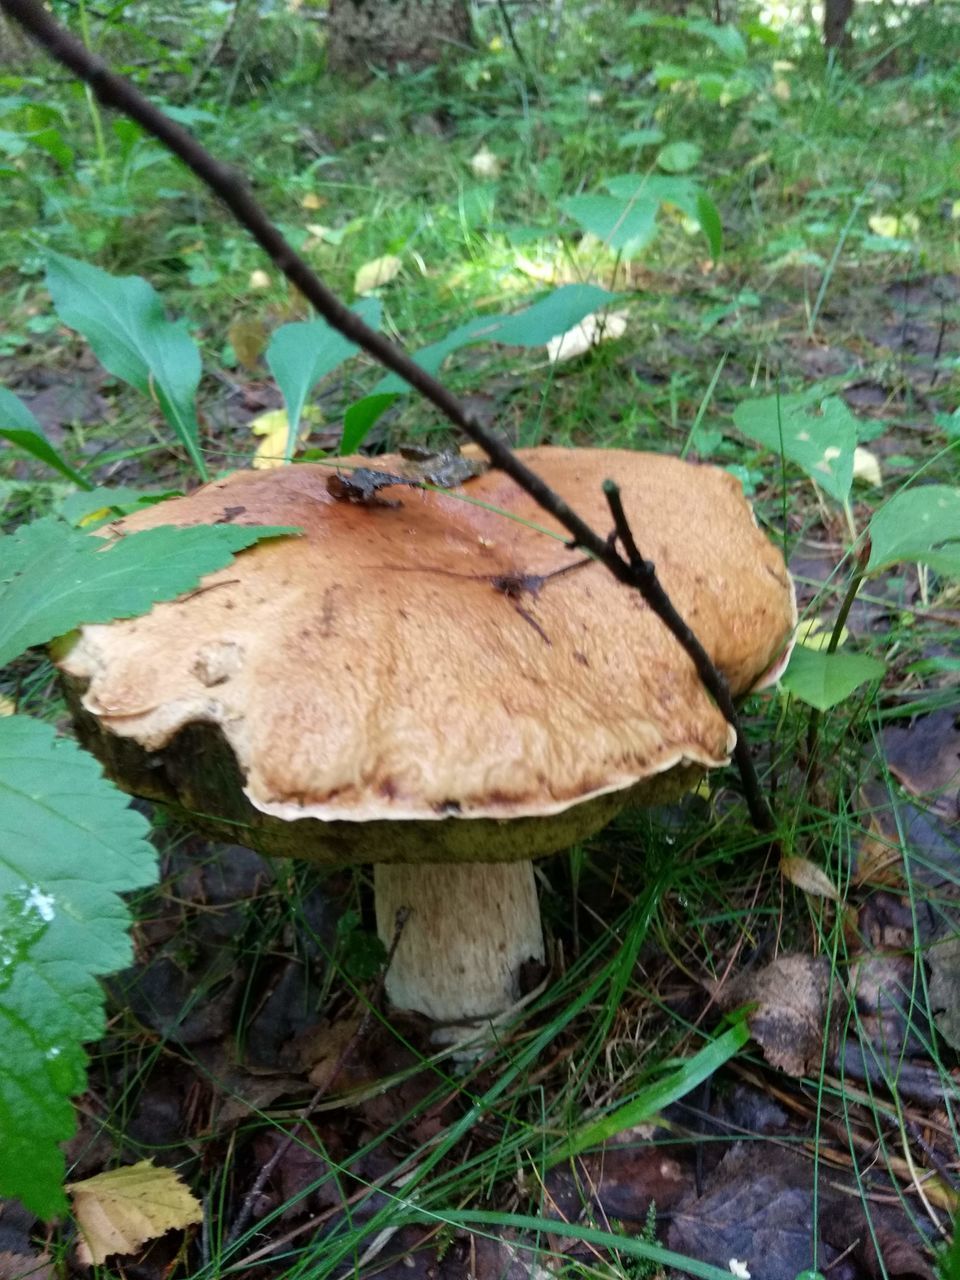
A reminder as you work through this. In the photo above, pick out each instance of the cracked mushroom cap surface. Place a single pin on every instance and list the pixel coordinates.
(410, 662)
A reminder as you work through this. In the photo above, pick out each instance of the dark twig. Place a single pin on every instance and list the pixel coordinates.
(263, 1177)
(712, 679)
(113, 91)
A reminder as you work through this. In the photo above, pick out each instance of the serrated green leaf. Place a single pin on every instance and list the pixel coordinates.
(819, 437)
(823, 679)
(53, 578)
(122, 318)
(20, 427)
(299, 355)
(69, 845)
(921, 524)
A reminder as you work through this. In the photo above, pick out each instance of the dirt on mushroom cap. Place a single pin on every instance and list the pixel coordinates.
(409, 657)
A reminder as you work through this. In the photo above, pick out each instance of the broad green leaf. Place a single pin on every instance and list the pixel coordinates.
(69, 845)
(360, 417)
(823, 679)
(678, 157)
(922, 524)
(122, 319)
(552, 315)
(53, 578)
(299, 355)
(726, 38)
(679, 190)
(534, 327)
(641, 138)
(819, 438)
(20, 427)
(627, 226)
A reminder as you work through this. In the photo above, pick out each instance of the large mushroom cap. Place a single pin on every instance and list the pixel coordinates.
(406, 662)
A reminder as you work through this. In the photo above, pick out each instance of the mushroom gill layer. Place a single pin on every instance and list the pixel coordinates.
(411, 658)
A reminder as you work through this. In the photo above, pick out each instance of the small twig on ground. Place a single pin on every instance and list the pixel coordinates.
(113, 91)
(263, 1177)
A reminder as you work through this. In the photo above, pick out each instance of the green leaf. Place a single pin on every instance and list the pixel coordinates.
(107, 503)
(625, 225)
(299, 355)
(20, 427)
(360, 417)
(818, 438)
(655, 1097)
(53, 578)
(69, 845)
(823, 679)
(122, 319)
(551, 316)
(533, 327)
(922, 524)
(641, 138)
(681, 191)
(678, 157)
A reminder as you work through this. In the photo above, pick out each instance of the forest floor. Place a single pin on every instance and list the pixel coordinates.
(831, 1144)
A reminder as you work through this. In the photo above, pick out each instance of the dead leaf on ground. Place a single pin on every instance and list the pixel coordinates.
(792, 996)
(118, 1211)
(924, 757)
(377, 272)
(26, 1266)
(621, 1182)
(943, 958)
(806, 875)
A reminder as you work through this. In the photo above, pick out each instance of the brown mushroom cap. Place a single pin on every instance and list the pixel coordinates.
(403, 662)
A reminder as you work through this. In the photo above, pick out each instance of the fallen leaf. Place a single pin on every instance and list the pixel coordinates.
(25, 1266)
(311, 201)
(866, 467)
(892, 227)
(807, 876)
(274, 427)
(119, 1210)
(591, 330)
(375, 273)
(7, 706)
(924, 757)
(259, 280)
(943, 958)
(812, 634)
(792, 998)
(485, 164)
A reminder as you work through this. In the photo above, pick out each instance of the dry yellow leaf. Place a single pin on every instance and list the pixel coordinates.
(807, 876)
(7, 706)
(866, 467)
(274, 427)
(376, 272)
(311, 201)
(812, 634)
(259, 280)
(892, 227)
(119, 1210)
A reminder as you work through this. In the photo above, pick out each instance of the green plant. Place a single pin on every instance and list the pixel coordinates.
(71, 845)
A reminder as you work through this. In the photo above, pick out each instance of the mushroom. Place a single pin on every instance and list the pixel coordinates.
(427, 682)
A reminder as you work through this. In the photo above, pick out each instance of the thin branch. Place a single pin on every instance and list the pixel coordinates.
(113, 91)
(712, 679)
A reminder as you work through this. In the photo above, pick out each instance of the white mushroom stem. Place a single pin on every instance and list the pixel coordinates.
(470, 928)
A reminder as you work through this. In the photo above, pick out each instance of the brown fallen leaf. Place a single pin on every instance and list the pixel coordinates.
(24, 1266)
(792, 997)
(924, 757)
(119, 1210)
(806, 875)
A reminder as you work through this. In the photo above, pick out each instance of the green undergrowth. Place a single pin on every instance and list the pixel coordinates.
(835, 184)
